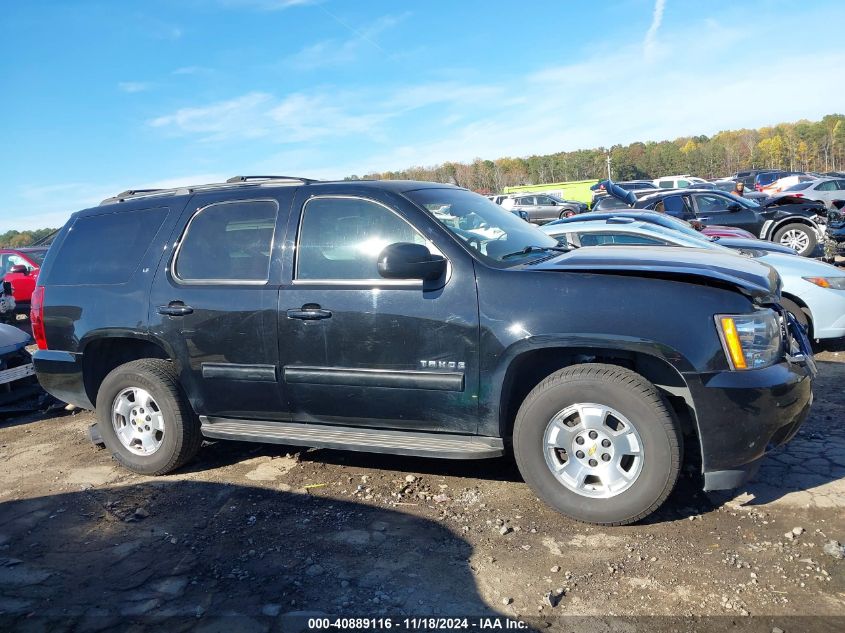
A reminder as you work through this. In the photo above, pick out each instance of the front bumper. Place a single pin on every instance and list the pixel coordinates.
(60, 374)
(742, 415)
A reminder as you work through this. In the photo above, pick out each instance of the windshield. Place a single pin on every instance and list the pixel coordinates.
(746, 202)
(491, 231)
(36, 256)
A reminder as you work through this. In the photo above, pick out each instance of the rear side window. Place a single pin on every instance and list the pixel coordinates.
(622, 239)
(228, 242)
(105, 249)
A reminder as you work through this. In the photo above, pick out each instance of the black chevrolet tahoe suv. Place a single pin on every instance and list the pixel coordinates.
(419, 319)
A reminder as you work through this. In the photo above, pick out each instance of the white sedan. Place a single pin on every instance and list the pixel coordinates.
(812, 291)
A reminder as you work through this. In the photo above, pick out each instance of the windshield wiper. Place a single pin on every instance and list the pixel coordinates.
(537, 249)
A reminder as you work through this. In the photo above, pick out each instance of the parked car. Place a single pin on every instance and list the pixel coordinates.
(824, 190)
(542, 208)
(765, 178)
(677, 182)
(726, 236)
(21, 267)
(784, 183)
(814, 292)
(836, 225)
(716, 230)
(787, 221)
(749, 176)
(350, 315)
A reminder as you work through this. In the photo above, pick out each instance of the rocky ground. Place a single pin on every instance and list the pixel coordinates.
(255, 532)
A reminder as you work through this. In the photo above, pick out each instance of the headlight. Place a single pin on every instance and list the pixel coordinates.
(836, 283)
(751, 341)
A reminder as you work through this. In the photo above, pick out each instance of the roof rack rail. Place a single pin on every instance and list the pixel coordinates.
(135, 192)
(235, 179)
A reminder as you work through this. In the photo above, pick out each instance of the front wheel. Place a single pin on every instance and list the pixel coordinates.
(144, 419)
(798, 237)
(567, 213)
(598, 443)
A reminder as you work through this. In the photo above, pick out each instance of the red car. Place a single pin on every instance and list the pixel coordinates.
(715, 230)
(20, 267)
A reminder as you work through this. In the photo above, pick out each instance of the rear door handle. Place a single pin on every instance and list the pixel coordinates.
(309, 312)
(175, 308)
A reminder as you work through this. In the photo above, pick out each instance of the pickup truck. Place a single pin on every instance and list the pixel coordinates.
(418, 319)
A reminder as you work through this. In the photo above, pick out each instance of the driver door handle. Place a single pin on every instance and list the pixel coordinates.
(175, 308)
(309, 312)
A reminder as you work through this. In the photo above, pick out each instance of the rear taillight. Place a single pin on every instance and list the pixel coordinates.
(36, 317)
(797, 195)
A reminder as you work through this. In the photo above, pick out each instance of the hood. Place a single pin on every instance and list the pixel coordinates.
(754, 244)
(619, 193)
(753, 278)
(12, 339)
(807, 205)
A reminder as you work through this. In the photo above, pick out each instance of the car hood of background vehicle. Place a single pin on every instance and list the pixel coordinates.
(754, 278)
(11, 339)
(755, 245)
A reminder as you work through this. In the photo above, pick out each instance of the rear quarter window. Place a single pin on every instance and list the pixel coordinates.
(105, 249)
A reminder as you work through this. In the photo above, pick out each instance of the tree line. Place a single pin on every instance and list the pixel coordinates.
(800, 146)
(16, 239)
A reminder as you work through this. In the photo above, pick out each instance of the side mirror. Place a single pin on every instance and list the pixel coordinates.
(19, 269)
(404, 260)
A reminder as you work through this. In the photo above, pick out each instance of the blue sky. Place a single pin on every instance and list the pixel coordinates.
(101, 96)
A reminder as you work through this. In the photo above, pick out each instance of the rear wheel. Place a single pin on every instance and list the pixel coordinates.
(598, 443)
(144, 419)
(798, 237)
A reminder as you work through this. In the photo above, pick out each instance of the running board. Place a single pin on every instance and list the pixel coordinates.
(442, 445)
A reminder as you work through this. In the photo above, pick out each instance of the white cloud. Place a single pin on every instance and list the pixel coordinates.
(245, 116)
(650, 41)
(333, 52)
(133, 86)
(611, 97)
(267, 5)
(192, 70)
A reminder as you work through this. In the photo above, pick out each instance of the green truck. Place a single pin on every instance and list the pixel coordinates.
(572, 190)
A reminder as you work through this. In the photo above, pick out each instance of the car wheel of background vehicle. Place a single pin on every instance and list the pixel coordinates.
(799, 313)
(598, 443)
(144, 418)
(566, 214)
(798, 237)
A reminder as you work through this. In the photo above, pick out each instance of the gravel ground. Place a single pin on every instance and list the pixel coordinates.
(259, 531)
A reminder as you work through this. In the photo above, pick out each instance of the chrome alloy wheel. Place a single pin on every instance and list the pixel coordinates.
(796, 240)
(138, 421)
(593, 450)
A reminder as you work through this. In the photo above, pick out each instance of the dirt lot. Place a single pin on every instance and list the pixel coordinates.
(259, 531)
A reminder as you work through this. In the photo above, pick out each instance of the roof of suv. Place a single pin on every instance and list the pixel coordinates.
(264, 182)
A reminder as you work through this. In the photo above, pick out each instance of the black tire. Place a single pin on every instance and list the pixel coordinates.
(566, 213)
(801, 314)
(181, 438)
(632, 396)
(812, 240)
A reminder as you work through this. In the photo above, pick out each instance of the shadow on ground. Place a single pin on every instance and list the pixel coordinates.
(88, 561)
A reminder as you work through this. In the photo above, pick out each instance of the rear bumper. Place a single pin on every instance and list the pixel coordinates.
(742, 415)
(60, 373)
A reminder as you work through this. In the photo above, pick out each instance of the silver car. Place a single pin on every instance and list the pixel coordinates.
(541, 208)
(824, 190)
(814, 292)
